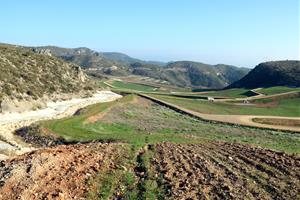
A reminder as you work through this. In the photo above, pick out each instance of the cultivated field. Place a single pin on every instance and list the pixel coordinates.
(277, 90)
(277, 107)
(148, 151)
(139, 121)
(63, 172)
(225, 171)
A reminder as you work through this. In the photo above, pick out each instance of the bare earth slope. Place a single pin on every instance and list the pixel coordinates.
(57, 173)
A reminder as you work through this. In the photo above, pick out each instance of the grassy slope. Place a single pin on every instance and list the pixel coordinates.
(138, 123)
(133, 86)
(285, 107)
(137, 128)
(231, 93)
(277, 90)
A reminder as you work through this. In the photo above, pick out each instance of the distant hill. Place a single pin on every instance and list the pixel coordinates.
(268, 74)
(111, 63)
(120, 57)
(87, 59)
(192, 74)
(25, 74)
(181, 73)
(127, 60)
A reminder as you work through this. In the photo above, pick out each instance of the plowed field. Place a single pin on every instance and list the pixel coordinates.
(226, 171)
(62, 172)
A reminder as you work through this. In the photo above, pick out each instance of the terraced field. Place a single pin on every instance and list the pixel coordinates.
(136, 149)
(276, 107)
(277, 90)
(133, 86)
(138, 121)
(232, 93)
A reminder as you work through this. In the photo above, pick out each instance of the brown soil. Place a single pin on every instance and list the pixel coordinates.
(281, 122)
(62, 172)
(226, 171)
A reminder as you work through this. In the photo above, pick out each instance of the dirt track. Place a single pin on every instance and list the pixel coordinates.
(259, 96)
(226, 171)
(62, 172)
(245, 120)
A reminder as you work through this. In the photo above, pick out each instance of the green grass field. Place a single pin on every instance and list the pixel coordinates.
(137, 121)
(277, 90)
(102, 84)
(283, 107)
(231, 93)
(133, 86)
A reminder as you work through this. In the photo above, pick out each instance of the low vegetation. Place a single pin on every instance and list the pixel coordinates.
(24, 73)
(138, 121)
(133, 86)
(277, 107)
(277, 90)
(278, 73)
(192, 74)
(232, 93)
(166, 154)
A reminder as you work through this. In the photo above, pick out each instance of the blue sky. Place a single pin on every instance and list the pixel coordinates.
(238, 32)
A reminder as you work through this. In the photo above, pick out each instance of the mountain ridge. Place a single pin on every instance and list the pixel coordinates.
(118, 64)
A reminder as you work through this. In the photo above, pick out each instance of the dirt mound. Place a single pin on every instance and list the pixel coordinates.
(62, 172)
(226, 171)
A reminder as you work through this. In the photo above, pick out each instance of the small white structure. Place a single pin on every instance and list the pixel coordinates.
(210, 99)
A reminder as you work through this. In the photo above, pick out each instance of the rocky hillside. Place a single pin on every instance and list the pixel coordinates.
(192, 74)
(25, 74)
(268, 74)
(182, 73)
(88, 59)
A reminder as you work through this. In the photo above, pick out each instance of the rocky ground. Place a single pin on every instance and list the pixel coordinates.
(61, 172)
(215, 170)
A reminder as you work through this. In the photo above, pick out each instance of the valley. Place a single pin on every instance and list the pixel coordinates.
(134, 148)
(88, 133)
(149, 100)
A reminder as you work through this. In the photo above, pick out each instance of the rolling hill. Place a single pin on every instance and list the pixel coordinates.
(181, 73)
(192, 74)
(25, 75)
(269, 74)
(88, 59)
(110, 63)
